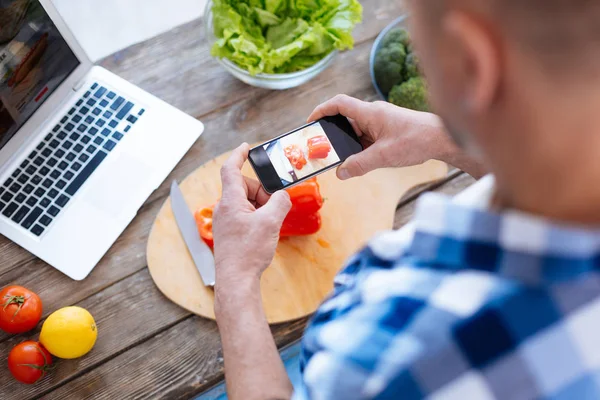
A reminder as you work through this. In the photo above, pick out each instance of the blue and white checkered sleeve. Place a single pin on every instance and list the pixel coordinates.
(363, 354)
(356, 346)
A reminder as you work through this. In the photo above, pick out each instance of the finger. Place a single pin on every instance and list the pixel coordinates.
(359, 164)
(277, 208)
(355, 126)
(341, 104)
(231, 172)
(256, 193)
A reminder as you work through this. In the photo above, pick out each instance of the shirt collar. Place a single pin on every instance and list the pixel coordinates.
(454, 235)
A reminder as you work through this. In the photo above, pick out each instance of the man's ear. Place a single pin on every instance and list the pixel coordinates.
(477, 55)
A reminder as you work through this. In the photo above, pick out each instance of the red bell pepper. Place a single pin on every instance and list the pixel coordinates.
(306, 197)
(318, 147)
(295, 155)
(303, 218)
(298, 224)
(204, 218)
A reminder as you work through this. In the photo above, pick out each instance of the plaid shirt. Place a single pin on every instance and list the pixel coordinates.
(475, 305)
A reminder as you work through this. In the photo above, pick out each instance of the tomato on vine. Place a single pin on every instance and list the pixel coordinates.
(29, 361)
(20, 309)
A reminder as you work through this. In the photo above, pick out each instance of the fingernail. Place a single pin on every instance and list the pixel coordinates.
(343, 174)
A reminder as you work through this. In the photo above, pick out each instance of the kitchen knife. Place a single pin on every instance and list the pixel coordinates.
(200, 252)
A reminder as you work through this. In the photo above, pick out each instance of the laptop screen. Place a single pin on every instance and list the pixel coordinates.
(34, 61)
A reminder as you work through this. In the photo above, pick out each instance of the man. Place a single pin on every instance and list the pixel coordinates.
(499, 301)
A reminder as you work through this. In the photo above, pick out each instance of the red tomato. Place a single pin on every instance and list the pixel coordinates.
(20, 309)
(29, 361)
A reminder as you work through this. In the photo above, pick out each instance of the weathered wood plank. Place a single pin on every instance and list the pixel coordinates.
(126, 314)
(194, 364)
(165, 367)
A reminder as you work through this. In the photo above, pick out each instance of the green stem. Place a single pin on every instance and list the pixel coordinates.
(44, 368)
(20, 300)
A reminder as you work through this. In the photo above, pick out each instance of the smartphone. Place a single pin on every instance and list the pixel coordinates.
(304, 152)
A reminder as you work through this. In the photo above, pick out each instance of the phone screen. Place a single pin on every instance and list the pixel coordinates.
(304, 152)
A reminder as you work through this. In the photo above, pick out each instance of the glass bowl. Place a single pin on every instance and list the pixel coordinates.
(397, 23)
(267, 81)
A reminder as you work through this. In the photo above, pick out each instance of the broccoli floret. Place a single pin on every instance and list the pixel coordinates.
(410, 94)
(397, 35)
(389, 66)
(411, 67)
(390, 59)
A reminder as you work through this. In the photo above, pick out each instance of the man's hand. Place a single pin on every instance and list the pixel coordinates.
(246, 223)
(393, 137)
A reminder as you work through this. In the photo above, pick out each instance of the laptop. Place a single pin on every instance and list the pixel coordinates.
(80, 148)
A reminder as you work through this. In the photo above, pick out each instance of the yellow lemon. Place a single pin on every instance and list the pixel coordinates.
(69, 332)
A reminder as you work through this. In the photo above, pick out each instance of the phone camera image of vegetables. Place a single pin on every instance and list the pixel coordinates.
(295, 155)
(318, 147)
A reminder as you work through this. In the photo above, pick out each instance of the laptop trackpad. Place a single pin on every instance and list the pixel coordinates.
(120, 189)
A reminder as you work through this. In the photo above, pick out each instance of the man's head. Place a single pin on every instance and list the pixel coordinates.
(513, 78)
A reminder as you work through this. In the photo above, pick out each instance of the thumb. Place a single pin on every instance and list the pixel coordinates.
(358, 165)
(277, 207)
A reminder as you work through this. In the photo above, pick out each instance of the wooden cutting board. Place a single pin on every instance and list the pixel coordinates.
(302, 272)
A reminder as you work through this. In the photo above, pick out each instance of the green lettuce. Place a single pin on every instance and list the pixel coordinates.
(286, 32)
(266, 18)
(281, 36)
(275, 6)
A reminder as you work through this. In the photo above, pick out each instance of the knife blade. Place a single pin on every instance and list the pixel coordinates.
(200, 252)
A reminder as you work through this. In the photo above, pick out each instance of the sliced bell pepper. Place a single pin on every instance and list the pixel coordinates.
(306, 197)
(303, 218)
(204, 218)
(295, 155)
(318, 147)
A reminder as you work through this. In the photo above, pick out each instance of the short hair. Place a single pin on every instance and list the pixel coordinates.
(551, 26)
(559, 32)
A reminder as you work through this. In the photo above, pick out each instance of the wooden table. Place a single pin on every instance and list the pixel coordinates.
(147, 346)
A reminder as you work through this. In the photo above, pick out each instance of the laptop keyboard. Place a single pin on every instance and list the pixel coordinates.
(49, 177)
